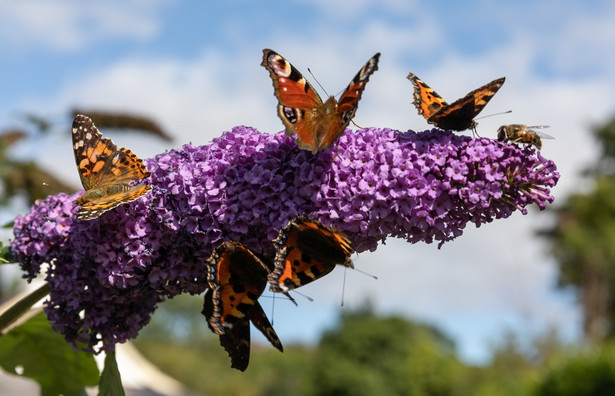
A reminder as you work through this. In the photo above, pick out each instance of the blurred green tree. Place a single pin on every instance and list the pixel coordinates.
(583, 241)
(367, 355)
(589, 373)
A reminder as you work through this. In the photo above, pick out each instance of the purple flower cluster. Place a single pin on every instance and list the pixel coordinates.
(107, 275)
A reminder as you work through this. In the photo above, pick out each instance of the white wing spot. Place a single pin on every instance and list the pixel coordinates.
(88, 136)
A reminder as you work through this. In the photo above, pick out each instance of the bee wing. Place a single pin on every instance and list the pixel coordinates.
(541, 134)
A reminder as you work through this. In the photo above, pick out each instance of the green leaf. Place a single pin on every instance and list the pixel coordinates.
(5, 254)
(37, 352)
(110, 380)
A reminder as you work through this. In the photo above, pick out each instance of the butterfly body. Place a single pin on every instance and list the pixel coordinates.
(519, 133)
(307, 250)
(457, 116)
(107, 172)
(237, 278)
(316, 124)
(99, 193)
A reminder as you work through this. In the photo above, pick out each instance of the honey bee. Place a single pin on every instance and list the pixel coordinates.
(519, 133)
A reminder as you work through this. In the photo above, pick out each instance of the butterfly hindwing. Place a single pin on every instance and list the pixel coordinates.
(307, 250)
(106, 171)
(457, 116)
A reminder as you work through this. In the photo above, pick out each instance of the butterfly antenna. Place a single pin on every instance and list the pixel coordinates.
(310, 299)
(475, 133)
(318, 82)
(337, 148)
(288, 297)
(494, 114)
(273, 310)
(357, 125)
(291, 299)
(365, 273)
(343, 287)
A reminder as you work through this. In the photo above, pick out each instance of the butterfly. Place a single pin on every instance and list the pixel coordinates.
(457, 116)
(519, 133)
(305, 251)
(316, 124)
(237, 278)
(106, 171)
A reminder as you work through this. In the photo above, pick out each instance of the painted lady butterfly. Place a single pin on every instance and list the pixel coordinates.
(519, 133)
(237, 278)
(307, 250)
(457, 116)
(316, 124)
(106, 171)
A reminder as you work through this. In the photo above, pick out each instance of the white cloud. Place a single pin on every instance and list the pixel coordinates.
(73, 24)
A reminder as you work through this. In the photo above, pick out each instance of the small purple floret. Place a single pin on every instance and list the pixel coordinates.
(106, 276)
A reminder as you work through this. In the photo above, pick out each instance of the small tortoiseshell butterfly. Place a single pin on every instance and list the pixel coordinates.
(305, 251)
(519, 133)
(106, 171)
(457, 116)
(237, 278)
(316, 124)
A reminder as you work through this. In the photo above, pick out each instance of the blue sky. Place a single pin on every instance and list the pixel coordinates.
(194, 67)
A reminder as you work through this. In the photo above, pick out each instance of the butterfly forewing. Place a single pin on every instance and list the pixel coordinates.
(349, 101)
(464, 110)
(425, 99)
(290, 87)
(91, 150)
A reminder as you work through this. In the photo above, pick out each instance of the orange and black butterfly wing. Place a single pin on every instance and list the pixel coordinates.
(99, 160)
(235, 340)
(91, 150)
(349, 101)
(261, 322)
(236, 278)
(307, 250)
(106, 172)
(296, 97)
(459, 115)
(425, 99)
